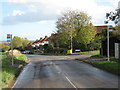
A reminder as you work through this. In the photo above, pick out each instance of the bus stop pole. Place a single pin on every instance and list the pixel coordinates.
(108, 54)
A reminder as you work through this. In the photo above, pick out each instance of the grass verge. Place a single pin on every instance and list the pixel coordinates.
(8, 71)
(58, 54)
(96, 55)
(110, 66)
(95, 51)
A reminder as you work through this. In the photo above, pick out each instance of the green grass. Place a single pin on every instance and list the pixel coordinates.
(110, 66)
(96, 55)
(95, 51)
(9, 72)
(21, 57)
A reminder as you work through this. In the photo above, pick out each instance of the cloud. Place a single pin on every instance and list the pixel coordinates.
(27, 17)
(42, 10)
(42, 22)
(17, 12)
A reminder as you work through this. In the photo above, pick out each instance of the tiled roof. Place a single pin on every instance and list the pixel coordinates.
(99, 29)
(39, 41)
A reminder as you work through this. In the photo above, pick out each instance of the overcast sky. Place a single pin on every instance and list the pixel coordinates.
(36, 18)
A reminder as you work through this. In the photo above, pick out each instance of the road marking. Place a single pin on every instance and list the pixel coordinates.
(60, 71)
(71, 82)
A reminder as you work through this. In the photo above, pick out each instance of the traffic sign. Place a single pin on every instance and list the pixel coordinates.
(110, 28)
(9, 37)
(8, 44)
(8, 40)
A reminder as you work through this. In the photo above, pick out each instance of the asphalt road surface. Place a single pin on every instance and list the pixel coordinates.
(63, 72)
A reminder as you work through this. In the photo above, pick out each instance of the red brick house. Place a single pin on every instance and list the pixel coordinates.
(99, 29)
(39, 42)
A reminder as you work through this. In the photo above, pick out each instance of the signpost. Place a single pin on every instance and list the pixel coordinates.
(109, 28)
(9, 40)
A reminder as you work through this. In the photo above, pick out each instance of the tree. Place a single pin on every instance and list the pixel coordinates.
(114, 15)
(17, 42)
(25, 42)
(4, 47)
(116, 32)
(86, 34)
(78, 25)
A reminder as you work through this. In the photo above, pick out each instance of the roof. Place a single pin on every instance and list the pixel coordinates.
(99, 29)
(39, 41)
(53, 35)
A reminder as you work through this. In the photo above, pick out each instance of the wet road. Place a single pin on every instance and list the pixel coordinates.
(63, 72)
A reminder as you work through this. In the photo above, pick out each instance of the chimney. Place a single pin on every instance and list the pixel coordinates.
(40, 38)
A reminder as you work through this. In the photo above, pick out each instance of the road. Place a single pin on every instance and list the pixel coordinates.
(63, 72)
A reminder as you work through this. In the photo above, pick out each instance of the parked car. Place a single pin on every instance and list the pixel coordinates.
(77, 50)
(27, 52)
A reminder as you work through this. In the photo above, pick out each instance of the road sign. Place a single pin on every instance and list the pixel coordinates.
(110, 28)
(9, 37)
(8, 44)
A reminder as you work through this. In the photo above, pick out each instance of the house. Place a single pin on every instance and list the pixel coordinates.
(39, 42)
(99, 29)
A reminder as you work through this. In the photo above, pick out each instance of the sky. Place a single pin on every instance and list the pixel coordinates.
(33, 19)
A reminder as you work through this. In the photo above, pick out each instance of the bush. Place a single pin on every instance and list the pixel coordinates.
(4, 47)
(59, 50)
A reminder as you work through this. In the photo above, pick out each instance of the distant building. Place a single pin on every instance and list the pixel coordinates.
(39, 42)
(99, 29)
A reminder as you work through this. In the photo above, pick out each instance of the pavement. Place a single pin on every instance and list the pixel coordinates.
(63, 72)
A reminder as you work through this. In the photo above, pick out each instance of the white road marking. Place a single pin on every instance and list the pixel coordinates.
(71, 82)
(60, 71)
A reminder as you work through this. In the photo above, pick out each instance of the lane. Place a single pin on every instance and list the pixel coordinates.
(63, 72)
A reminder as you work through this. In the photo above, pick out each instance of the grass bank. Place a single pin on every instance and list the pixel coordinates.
(8, 71)
(110, 66)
